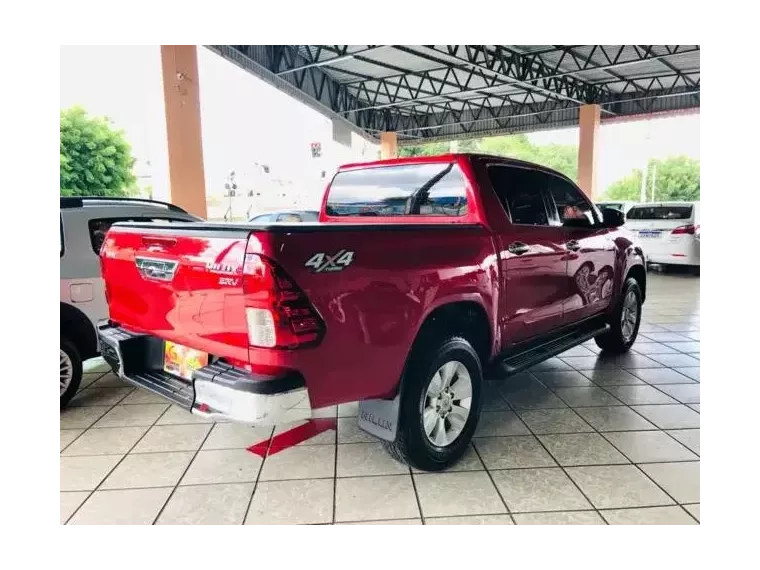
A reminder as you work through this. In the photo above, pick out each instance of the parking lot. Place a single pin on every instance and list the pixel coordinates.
(579, 439)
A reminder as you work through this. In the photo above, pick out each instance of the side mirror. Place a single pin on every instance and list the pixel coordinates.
(612, 218)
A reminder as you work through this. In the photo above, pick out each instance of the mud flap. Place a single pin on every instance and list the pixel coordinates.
(380, 417)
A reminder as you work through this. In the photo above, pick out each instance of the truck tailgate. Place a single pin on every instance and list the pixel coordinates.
(180, 283)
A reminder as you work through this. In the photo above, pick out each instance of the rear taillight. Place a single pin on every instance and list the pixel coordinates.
(278, 313)
(690, 229)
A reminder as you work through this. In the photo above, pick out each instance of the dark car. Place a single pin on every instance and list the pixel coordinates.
(289, 216)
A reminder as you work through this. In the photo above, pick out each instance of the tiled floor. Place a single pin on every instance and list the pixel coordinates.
(577, 440)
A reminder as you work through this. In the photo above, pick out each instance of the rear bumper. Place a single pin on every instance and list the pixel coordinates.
(218, 391)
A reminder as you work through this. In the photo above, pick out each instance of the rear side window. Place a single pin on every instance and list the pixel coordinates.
(660, 213)
(403, 190)
(521, 192)
(99, 228)
(570, 202)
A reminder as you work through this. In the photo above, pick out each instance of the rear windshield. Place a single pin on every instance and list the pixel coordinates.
(613, 205)
(660, 213)
(403, 190)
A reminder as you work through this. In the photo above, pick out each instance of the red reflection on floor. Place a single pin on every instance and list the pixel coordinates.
(293, 436)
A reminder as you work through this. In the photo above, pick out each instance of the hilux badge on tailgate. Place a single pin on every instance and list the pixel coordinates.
(152, 268)
(323, 262)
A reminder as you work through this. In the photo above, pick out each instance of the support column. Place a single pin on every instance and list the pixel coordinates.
(587, 147)
(187, 180)
(388, 145)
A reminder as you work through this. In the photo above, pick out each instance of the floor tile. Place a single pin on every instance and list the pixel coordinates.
(172, 438)
(235, 436)
(577, 351)
(470, 461)
(327, 437)
(512, 452)
(680, 480)
(176, 415)
(526, 490)
(309, 501)
(85, 473)
(69, 435)
(562, 379)
(642, 394)
(582, 449)
(694, 407)
(149, 470)
(500, 423)
(304, 462)
(357, 459)
(676, 416)
(393, 522)
(592, 346)
(653, 348)
(471, 520)
(111, 380)
(614, 418)
(135, 415)
(81, 417)
(684, 393)
(95, 365)
(349, 410)
(223, 466)
(561, 420)
(632, 360)
(686, 347)
(535, 397)
(694, 335)
(657, 376)
(618, 486)
(349, 432)
(129, 507)
(649, 446)
(551, 364)
(451, 494)
(676, 360)
(667, 337)
(207, 504)
(573, 518)
(327, 412)
(611, 377)
(693, 509)
(588, 362)
(492, 398)
(375, 498)
(689, 437)
(139, 396)
(70, 502)
(648, 515)
(88, 379)
(690, 371)
(99, 396)
(586, 397)
(106, 441)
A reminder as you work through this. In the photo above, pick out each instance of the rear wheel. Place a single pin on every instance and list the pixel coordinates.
(625, 321)
(71, 371)
(440, 405)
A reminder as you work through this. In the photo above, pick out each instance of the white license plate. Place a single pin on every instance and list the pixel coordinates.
(649, 233)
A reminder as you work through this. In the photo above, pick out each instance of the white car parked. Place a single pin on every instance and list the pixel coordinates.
(668, 232)
(84, 223)
(623, 206)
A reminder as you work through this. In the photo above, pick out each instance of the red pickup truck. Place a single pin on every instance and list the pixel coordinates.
(420, 272)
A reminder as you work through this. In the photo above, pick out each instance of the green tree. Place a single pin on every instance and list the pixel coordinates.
(675, 179)
(96, 160)
(563, 158)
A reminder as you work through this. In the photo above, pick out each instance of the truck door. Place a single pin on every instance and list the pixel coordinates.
(590, 252)
(532, 254)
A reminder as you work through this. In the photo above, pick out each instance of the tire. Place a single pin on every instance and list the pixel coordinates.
(619, 339)
(429, 365)
(70, 361)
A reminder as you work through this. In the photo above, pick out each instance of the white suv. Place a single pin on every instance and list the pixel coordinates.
(84, 223)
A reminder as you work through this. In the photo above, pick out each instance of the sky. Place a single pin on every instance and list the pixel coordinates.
(245, 120)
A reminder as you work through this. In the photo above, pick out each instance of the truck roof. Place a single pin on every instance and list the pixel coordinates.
(443, 158)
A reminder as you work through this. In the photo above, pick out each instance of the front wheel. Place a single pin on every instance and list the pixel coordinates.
(440, 405)
(71, 371)
(625, 320)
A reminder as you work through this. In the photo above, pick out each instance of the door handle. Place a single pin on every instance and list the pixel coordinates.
(573, 245)
(518, 248)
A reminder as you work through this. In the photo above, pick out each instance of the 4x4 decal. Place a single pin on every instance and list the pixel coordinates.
(322, 262)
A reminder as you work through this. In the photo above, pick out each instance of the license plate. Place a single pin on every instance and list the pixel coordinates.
(650, 233)
(183, 361)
